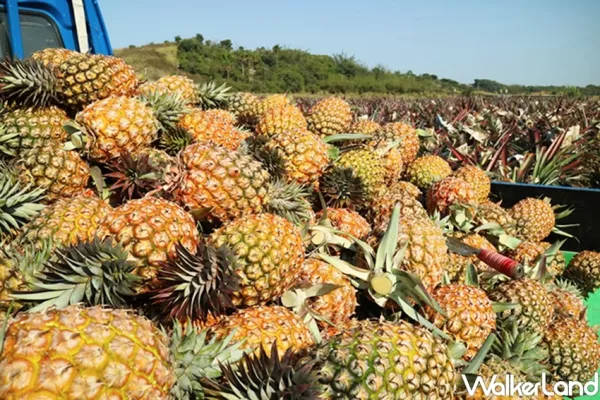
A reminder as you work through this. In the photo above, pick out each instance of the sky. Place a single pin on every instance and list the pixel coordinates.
(532, 42)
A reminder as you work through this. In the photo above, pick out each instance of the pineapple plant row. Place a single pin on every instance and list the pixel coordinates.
(168, 240)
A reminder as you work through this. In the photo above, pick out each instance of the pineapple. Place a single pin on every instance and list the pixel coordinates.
(348, 221)
(336, 306)
(427, 170)
(393, 162)
(535, 219)
(223, 115)
(79, 80)
(133, 176)
(365, 127)
(241, 105)
(381, 360)
(113, 126)
(342, 188)
(492, 213)
(329, 116)
(574, 351)
(470, 315)
(403, 132)
(528, 253)
(535, 309)
(263, 105)
(381, 206)
(96, 352)
(269, 253)
(181, 85)
(409, 188)
(227, 185)
(68, 221)
(368, 166)
(447, 192)
(262, 326)
(584, 270)
(53, 56)
(477, 178)
(204, 126)
(18, 205)
(25, 128)
(567, 300)
(281, 120)
(149, 229)
(304, 155)
(62, 173)
(457, 264)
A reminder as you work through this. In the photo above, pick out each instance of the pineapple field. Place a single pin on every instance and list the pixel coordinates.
(166, 239)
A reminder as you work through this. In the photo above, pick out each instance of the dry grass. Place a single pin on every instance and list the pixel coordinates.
(151, 61)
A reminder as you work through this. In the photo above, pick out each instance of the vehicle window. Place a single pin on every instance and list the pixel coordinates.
(38, 32)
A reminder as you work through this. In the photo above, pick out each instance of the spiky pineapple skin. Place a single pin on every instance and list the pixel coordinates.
(84, 353)
(566, 303)
(261, 326)
(364, 126)
(281, 120)
(447, 192)
(574, 351)
(427, 170)
(34, 127)
(53, 56)
(536, 310)
(368, 166)
(371, 361)
(227, 184)
(206, 126)
(348, 221)
(62, 173)
(269, 253)
(471, 317)
(83, 79)
(304, 155)
(381, 207)
(493, 213)
(534, 218)
(527, 253)
(263, 105)
(117, 125)
(329, 116)
(338, 305)
(241, 105)
(68, 220)
(584, 269)
(477, 179)
(149, 229)
(177, 84)
(403, 132)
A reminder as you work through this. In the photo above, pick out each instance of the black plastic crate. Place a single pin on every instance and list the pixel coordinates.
(585, 201)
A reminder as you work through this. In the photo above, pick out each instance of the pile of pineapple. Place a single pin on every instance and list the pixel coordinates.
(164, 240)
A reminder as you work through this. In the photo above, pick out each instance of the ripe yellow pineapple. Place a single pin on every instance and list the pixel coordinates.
(470, 315)
(281, 120)
(584, 269)
(381, 206)
(225, 184)
(62, 173)
(206, 126)
(241, 105)
(534, 219)
(339, 304)
(393, 162)
(447, 192)
(84, 353)
(266, 103)
(477, 178)
(527, 253)
(28, 127)
(367, 165)
(269, 253)
(427, 170)
(261, 326)
(223, 115)
(348, 221)
(149, 229)
(329, 116)
(116, 125)
(304, 155)
(492, 213)
(181, 85)
(52, 55)
(403, 132)
(567, 303)
(364, 126)
(68, 220)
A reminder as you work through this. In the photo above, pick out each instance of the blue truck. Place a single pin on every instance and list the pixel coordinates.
(27, 26)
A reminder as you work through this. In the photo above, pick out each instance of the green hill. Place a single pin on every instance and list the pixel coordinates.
(152, 61)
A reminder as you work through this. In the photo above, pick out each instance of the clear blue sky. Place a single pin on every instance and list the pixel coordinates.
(511, 41)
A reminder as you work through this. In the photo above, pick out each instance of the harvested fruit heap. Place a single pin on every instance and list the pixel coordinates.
(165, 240)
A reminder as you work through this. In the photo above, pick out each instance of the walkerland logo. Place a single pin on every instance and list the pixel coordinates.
(508, 387)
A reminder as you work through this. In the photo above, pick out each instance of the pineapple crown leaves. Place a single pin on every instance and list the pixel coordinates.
(96, 272)
(471, 369)
(212, 96)
(567, 286)
(27, 256)
(18, 204)
(174, 140)
(266, 376)
(192, 285)
(28, 83)
(9, 142)
(197, 357)
(289, 200)
(341, 187)
(271, 159)
(167, 107)
(133, 176)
